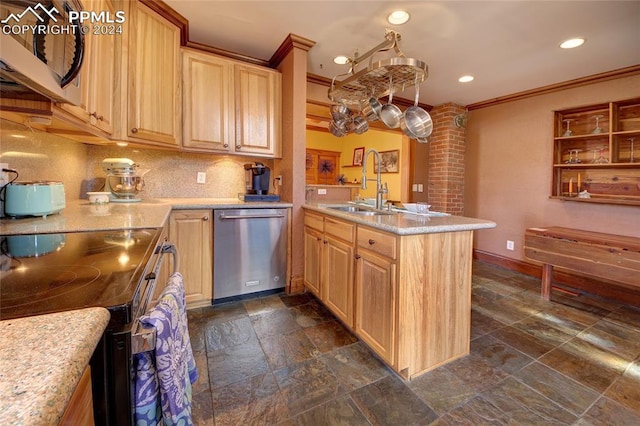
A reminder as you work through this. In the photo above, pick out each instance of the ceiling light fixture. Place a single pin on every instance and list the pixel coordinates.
(571, 43)
(341, 60)
(398, 17)
(465, 78)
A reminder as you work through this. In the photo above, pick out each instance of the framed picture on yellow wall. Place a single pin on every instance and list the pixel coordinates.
(389, 161)
(358, 154)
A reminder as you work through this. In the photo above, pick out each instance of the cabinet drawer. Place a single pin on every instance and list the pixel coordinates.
(314, 221)
(376, 241)
(340, 229)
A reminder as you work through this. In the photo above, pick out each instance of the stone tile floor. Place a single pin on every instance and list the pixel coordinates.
(285, 360)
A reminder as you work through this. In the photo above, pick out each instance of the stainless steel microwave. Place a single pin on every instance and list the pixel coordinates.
(42, 49)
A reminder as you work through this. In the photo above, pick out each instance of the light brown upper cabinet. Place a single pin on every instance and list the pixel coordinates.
(97, 77)
(206, 83)
(148, 105)
(258, 106)
(229, 106)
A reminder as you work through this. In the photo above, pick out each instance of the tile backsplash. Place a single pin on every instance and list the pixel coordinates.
(37, 155)
(42, 156)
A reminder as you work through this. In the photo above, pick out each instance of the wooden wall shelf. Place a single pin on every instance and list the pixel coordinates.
(605, 163)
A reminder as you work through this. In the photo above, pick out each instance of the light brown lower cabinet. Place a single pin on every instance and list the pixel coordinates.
(313, 243)
(329, 259)
(79, 411)
(376, 303)
(192, 233)
(410, 295)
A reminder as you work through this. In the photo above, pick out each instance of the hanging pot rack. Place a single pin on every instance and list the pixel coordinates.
(378, 79)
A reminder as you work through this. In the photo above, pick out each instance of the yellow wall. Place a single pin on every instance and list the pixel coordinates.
(376, 139)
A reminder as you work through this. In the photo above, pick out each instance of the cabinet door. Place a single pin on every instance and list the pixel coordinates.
(103, 72)
(375, 307)
(97, 75)
(206, 81)
(312, 260)
(338, 279)
(257, 110)
(191, 232)
(153, 89)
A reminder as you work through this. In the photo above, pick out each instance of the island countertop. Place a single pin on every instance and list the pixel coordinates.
(80, 215)
(405, 223)
(43, 358)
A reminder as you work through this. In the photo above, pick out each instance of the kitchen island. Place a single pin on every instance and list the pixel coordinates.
(400, 281)
(43, 359)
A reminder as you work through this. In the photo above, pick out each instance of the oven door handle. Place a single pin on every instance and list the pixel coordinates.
(143, 339)
(171, 248)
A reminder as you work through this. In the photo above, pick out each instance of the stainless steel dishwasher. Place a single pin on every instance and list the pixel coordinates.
(249, 252)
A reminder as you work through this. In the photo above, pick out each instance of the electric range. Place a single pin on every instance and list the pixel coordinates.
(117, 270)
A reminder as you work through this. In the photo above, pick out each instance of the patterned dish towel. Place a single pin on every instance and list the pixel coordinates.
(173, 369)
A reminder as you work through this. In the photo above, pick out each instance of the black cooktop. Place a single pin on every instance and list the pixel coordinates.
(47, 273)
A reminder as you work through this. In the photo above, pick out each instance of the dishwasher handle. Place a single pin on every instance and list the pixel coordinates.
(251, 216)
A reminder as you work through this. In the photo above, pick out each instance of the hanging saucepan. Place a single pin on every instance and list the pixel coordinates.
(390, 114)
(359, 125)
(340, 112)
(339, 127)
(371, 108)
(416, 123)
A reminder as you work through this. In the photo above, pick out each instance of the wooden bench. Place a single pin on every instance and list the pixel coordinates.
(609, 257)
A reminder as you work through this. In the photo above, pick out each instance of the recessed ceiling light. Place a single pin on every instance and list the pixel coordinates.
(398, 17)
(341, 60)
(465, 78)
(571, 43)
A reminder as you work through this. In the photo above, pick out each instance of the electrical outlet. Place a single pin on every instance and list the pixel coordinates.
(322, 191)
(420, 187)
(202, 177)
(279, 179)
(414, 187)
(510, 245)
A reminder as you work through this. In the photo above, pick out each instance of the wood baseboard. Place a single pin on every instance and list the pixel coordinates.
(564, 280)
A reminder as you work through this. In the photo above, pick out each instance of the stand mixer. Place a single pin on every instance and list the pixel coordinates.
(124, 180)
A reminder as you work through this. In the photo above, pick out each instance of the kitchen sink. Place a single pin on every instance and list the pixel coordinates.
(361, 210)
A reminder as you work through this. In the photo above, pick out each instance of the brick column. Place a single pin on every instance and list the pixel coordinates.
(446, 160)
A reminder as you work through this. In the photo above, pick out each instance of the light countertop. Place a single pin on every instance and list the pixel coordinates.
(406, 223)
(80, 215)
(43, 358)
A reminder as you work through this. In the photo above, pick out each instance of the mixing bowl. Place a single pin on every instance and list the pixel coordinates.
(125, 186)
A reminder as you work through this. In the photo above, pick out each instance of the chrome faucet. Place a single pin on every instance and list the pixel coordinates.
(380, 189)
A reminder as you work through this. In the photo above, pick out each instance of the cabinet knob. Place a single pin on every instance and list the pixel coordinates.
(372, 242)
(96, 116)
(238, 146)
(205, 218)
(326, 242)
(357, 256)
(134, 130)
(319, 239)
(226, 145)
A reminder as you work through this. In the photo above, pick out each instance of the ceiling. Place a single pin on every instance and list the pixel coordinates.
(508, 46)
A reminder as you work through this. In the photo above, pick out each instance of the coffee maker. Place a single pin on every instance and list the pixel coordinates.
(258, 179)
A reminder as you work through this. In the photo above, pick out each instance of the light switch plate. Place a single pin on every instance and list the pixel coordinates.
(202, 177)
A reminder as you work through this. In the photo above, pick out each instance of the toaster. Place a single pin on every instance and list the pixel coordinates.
(39, 198)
